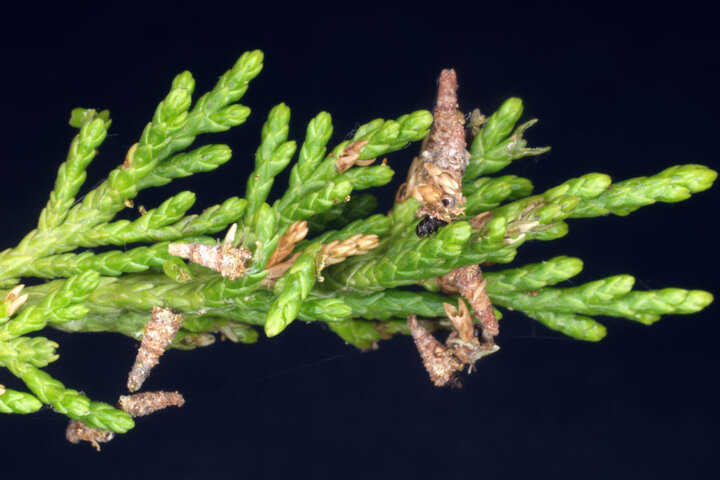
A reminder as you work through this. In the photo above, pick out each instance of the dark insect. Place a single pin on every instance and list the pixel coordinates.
(428, 225)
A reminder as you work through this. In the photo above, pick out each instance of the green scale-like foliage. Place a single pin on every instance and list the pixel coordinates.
(363, 299)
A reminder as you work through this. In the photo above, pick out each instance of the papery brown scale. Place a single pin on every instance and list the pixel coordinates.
(350, 155)
(461, 320)
(296, 232)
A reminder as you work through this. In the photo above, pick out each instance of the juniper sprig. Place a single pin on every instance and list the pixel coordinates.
(319, 251)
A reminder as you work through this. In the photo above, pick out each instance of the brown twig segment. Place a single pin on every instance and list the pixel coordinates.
(227, 260)
(442, 366)
(159, 332)
(77, 431)
(141, 404)
(296, 232)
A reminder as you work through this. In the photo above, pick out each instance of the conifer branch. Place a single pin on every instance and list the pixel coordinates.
(317, 251)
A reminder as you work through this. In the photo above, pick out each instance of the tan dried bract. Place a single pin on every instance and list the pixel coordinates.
(350, 157)
(159, 332)
(415, 177)
(461, 320)
(277, 270)
(523, 224)
(2, 390)
(225, 259)
(295, 233)
(447, 181)
(337, 251)
(130, 156)
(441, 194)
(77, 431)
(427, 194)
(142, 404)
(479, 221)
(14, 299)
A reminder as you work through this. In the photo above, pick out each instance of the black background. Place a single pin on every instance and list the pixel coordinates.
(625, 90)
